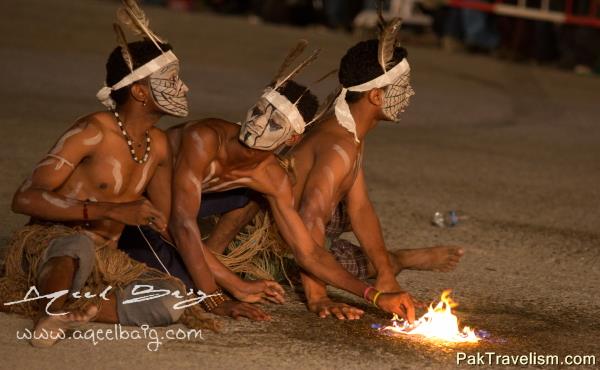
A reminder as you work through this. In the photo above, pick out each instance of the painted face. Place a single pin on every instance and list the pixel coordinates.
(396, 98)
(265, 127)
(168, 91)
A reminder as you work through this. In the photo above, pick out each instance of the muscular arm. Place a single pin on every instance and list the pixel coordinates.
(38, 196)
(229, 226)
(309, 255)
(186, 197)
(366, 227)
(159, 186)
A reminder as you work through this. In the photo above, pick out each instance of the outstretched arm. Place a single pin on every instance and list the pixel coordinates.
(366, 227)
(186, 197)
(204, 268)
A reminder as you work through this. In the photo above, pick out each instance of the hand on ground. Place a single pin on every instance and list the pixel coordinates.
(325, 307)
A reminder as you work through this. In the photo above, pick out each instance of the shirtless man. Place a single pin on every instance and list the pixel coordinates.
(83, 192)
(329, 170)
(211, 157)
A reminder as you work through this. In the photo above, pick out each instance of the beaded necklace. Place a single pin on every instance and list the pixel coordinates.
(130, 141)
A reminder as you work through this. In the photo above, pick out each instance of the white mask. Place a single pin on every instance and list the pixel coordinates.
(397, 97)
(265, 128)
(169, 91)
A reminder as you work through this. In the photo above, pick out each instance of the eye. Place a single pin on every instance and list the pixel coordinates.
(256, 111)
(274, 126)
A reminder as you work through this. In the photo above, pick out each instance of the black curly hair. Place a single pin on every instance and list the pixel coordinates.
(360, 65)
(141, 52)
(308, 104)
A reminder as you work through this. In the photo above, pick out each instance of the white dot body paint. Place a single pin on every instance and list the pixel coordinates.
(92, 199)
(94, 139)
(60, 203)
(140, 186)
(116, 172)
(73, 193)
(59, 145)
(343, 154)
(26, 185)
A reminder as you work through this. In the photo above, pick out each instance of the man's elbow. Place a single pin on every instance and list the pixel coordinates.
(19, 204)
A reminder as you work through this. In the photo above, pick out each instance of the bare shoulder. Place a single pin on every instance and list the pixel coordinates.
(159, 143)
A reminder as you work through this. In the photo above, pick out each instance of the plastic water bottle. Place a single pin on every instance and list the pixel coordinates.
(448, 219)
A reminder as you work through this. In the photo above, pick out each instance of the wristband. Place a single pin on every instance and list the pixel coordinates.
(212, 301)
(375, 298)
(366, 292)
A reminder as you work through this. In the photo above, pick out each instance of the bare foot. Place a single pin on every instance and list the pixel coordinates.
(50, 329)
(440, 258)
(325, 307)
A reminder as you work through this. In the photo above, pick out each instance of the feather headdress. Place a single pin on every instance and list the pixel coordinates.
(131, 15)
(282, 77)
(388, 39)
(122, 42)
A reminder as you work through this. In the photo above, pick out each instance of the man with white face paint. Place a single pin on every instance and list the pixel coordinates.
(105, 172)
(330, 176)
(215, 156)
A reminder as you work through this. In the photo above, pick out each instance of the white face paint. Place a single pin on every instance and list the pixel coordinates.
(265, 128)
(116, 172)
(169, 91)
(94, 139)
(343, 154)
(140, 186)
(397, 97)
(59, 145)
(60, 203)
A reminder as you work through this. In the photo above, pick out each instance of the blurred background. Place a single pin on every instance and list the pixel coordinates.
(560, 33)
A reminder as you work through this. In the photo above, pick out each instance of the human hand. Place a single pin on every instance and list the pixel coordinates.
(139, 212)
(237, 310)
(400, 303)
(253, 291)
(325, 307)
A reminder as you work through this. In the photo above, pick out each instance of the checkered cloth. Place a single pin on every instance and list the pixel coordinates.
(350, 256)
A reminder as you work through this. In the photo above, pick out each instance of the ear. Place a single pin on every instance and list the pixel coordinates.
(375, 96)
(293, 140)
(140, 92)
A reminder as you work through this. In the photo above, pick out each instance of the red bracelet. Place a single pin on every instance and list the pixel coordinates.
(85, 211)
(366, 293)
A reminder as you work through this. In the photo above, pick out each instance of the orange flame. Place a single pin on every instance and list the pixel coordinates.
(438, 323)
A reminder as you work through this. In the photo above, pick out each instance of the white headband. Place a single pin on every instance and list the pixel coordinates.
(342, 110)
(286, 108)
(142, 72)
